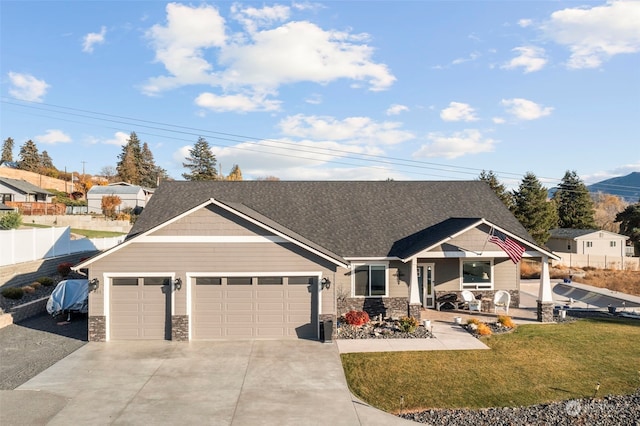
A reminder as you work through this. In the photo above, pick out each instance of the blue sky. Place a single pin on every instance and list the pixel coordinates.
(409, 90)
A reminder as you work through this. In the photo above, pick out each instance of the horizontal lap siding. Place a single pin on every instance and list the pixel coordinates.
(473, 240)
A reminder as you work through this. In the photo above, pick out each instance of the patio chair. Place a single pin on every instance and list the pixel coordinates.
(469, 301)
(501, 299)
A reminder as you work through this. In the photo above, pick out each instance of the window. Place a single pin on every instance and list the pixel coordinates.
(156, 281)
(239, 281)
(612, 243)
(300, 280)
(269, 280)
(477, 274)
(370, 280)
(6, 198)
(124, 281)
(589, 243)
(208, 280)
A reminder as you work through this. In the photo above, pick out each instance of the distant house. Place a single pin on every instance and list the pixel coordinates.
(18, 190)
(587, 241)
(133, 197)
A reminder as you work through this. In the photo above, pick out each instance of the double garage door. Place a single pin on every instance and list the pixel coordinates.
(221, 307)
(252, 307)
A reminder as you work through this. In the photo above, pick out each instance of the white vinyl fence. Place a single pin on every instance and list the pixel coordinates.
(26, 245)
(600, 262)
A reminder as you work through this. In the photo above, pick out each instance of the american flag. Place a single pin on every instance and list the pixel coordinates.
(512, 248)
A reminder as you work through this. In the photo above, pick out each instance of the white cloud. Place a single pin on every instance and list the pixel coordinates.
(396, 109)
(531, 58)
(594, 35)
(238, 103)
(498, 120)
(314, 99)
(52, 137)
(194, 48)
(456, 145)
(353, 130)
(525, 109)
(119, 139)
(26, 87)
(458, 111)
(92, 39)
(524, 23)
(472, 57)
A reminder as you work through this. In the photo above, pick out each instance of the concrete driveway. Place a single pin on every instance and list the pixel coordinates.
(269, 382)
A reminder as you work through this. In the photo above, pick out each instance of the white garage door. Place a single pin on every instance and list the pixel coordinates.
(253, 307)
(139, 308)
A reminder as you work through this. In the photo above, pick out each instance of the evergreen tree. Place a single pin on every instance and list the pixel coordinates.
(501, 191)
(128, 167)
(236, 173)
(575, 206)
(29, 157)
(7, 150)
(46, 161)
(148, 169)
(201, 162)
(629, 220)
(532, 209)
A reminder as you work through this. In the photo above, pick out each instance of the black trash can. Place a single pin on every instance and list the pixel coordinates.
(326, 331)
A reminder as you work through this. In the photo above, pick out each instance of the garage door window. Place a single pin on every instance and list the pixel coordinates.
(239, 281)
(300, 280)
(269, 280)
(156, 281)
(124, 281)
(208, 281)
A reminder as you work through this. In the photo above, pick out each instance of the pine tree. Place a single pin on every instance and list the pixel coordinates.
(130, 160)
(148, 169)
(29, 157)
(501, 191)
(7, 150)
(532, 209)
(629, 220)
(235, 174)
(46, 161)
(575, 206)
(201, 162)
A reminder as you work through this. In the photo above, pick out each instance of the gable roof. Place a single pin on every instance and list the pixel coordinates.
(348, 218)
(23, 186)
(570, 234)
(114, 189)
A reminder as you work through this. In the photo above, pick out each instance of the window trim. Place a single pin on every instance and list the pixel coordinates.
(478, 285)
(354, 266)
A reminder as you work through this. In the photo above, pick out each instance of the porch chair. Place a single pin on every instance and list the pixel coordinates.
(501, 299)
(469, 301)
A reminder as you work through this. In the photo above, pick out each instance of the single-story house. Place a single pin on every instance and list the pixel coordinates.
(133, 197)
(587, 241)
(273, 259)
(21, 191)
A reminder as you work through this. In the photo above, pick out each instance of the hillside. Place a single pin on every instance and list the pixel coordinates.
(626, 187)
(44, 182)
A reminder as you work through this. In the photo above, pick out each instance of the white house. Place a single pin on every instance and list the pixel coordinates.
(132, 196)
(587, 241)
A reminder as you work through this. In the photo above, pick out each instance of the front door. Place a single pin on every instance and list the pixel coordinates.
(425, 284)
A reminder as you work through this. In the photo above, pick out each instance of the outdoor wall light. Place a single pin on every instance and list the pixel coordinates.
(325, 283)
(94, 284)
(177, 284)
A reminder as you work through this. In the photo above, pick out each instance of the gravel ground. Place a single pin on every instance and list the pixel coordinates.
(35, 344)
(617, 410)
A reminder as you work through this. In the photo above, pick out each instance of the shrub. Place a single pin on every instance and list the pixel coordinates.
(356, 317)
(35, 285)
(506, 321)
(484, 329)
(408, 324)
(64, 268)
(475, 321)
(46, 281)
(11, 220)
(28, 289)
(13, 293)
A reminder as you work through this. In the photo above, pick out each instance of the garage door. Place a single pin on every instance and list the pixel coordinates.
(253, 307)
(139, 308)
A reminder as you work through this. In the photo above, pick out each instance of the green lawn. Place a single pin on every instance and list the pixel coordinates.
(534, 364)
(85, 232)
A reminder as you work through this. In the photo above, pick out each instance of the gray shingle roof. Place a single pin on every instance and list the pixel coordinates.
(24, 186)
(113, 189)
(348, 218)
(569, 233)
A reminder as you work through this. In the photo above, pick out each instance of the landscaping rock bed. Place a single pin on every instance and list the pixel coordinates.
(387, 329)
(610, 410)
(7, 304)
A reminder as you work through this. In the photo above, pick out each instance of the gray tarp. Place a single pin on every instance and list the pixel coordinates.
(69, 296)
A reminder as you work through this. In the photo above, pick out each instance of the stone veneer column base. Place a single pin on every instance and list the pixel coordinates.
(180, 328)
(414, 310)
(545, 311)
(97, 329)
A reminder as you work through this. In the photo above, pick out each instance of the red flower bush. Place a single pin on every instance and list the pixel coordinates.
(356, 317)
(64, 268)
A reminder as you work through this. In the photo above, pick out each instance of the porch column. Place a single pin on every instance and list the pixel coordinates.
(545, 297)
(414, 291)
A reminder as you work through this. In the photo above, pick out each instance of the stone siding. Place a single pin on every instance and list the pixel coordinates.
(545, 311)
(28, 310)
(388, 307)
(180, 328)
(97, 329)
